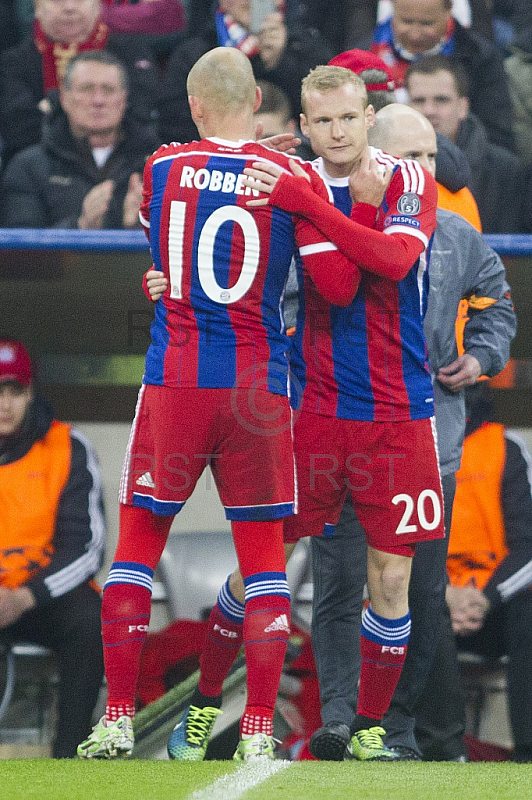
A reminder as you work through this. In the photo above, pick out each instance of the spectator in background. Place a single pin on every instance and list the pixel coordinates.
(518, 67)
(52, 532)
(352, 24)
(347, 25)
(87, 170)
(490, 578)
(275, 113)
(121, 16)
(9, 34)
(418, 29)
(33, 69)
(145, 16)
(437, 86)
(279, 53)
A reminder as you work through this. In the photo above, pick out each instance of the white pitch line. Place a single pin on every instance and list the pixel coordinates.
(233, 785)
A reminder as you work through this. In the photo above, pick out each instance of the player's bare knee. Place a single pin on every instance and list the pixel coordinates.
(236, 585)
(388, 587)
(394, 584)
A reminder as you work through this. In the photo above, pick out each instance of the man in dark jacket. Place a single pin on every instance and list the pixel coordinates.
(86, 172)
(33, 69)
(415, 31)
(279, 53)
(52, 533)
(438, 87)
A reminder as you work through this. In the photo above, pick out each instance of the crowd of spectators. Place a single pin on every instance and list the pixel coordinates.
(482, 51)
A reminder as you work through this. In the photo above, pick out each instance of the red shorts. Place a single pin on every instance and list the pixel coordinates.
(391, 470)
(244, 435)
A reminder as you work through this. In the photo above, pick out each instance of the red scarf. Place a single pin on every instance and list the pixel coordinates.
(55, 56)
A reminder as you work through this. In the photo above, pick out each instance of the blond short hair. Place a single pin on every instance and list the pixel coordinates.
(326, 79)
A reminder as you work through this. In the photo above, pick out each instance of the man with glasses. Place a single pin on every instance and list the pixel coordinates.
(86, 171)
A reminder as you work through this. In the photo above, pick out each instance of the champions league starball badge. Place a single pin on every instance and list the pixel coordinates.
(408, 203)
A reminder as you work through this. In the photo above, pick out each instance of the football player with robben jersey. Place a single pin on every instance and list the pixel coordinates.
(214, 392)
(221, 321)
(401, 502)
(367, 361)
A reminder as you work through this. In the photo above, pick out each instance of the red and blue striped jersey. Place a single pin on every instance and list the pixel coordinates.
(368, 361)
(220, 322)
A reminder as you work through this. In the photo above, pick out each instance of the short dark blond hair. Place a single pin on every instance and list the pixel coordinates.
(326, 79)
(274, 101)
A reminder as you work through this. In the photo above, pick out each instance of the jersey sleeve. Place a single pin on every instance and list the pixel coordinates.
(334, 275)
(147, 191)
(411, 203)
(365, 214)
(375, 251)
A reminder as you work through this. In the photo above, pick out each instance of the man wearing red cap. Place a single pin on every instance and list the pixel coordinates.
(52, 532)
(362, 62)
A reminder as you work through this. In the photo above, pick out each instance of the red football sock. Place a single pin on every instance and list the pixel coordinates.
(125, 619)
(222, 643)
(266, 631)
(383, 645)
(126, 603)
(260, 551)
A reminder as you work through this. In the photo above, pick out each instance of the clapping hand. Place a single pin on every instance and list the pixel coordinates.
(95, 206)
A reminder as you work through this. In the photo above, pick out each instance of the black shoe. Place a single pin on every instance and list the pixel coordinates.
(522, 755)
(329, 742)
(405, 753)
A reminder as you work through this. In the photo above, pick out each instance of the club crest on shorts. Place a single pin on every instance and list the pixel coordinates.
(409, 203)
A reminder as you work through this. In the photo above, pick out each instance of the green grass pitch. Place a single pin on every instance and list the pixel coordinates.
(46, 779)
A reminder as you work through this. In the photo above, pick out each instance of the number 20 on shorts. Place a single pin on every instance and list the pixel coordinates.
(425, 497)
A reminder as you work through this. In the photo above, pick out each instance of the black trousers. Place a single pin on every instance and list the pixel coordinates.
(70, 626)
(440, 716)
(339, 574)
